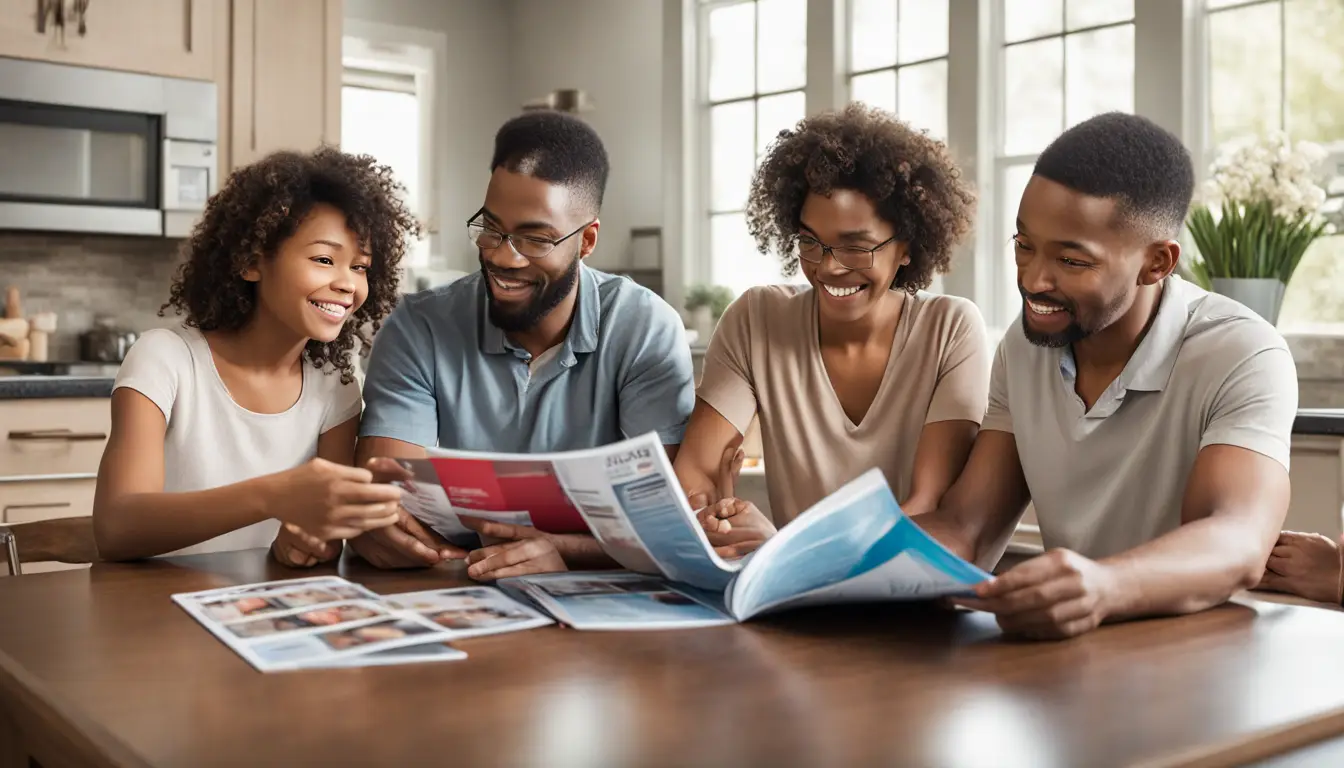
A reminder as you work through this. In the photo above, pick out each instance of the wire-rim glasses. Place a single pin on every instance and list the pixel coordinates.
(814, 251)
(528, 246)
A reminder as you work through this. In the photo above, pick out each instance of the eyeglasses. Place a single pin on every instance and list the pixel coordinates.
(813, 250)
(527, 246)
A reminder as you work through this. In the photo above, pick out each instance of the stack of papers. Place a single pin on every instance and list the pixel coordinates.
(327, 621)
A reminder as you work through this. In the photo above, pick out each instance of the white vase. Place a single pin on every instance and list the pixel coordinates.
(702, 322)
(1262, 295)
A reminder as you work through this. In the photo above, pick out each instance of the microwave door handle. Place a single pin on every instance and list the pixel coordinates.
(60, 20)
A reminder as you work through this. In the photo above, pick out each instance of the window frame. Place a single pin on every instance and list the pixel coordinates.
(702, 268)
(1205, 150)
(1171, 87)
(999, 309)
(850, 73)
(404, 52)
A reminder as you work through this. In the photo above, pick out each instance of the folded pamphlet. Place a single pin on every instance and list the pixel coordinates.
(328, 622)
(856, 545)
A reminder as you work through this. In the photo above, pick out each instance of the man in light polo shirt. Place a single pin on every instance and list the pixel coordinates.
(535, 353)
(1146, 419)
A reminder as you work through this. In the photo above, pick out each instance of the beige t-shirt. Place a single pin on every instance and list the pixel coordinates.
(765, 357)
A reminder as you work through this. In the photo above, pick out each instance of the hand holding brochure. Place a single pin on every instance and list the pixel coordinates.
(856, 545)
(326, 621)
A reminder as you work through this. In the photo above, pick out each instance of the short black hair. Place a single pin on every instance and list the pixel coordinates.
(1129, 159)
(555, 147)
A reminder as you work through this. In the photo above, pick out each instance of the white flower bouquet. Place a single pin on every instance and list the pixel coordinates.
(1259, 211)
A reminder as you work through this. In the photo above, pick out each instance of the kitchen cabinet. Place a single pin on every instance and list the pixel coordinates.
(49, 455)
(285, 77)
(174, 38)
(1317, 476)
(57, 438)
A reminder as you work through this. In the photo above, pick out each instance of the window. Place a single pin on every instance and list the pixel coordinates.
(1275, 64)
(752, 88)
(898, 59)
(386, 112)
(1062, 61)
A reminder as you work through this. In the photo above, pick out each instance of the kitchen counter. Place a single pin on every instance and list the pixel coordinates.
(1319, 421)
(39, 387)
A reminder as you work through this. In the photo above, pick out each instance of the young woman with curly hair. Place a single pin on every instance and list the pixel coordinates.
(860, 368)
(236, 428)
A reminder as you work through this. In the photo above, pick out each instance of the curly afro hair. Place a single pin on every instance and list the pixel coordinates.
(262, 205)
(911, 179)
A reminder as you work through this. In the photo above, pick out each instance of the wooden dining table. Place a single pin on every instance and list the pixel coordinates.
(98, 667)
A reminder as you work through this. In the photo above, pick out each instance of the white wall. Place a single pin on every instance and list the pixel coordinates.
(612, 49)
(475, 96)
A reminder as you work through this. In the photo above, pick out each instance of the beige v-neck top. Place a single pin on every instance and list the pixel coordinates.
(765, 357)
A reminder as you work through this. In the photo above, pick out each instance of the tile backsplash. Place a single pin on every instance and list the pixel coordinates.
(83, 277)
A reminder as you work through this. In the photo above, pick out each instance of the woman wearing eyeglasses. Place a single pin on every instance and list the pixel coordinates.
(860, 368)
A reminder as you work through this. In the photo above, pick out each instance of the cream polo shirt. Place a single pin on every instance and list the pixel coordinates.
(765, 357)
(1105, 480)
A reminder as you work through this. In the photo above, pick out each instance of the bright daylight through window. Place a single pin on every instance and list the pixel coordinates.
(381, 116)
(1276, 64)
(898, 59)
(1061, 63)
(753, 89)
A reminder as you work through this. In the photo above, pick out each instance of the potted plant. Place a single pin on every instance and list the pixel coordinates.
(706, 304)
(1255, 218)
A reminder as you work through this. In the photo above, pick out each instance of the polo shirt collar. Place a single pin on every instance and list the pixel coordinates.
(1155, 357)
(583, 332)
(1150, 367)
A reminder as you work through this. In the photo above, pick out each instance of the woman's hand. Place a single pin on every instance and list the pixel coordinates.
(735, 527)
(332, 501)
(297, 549)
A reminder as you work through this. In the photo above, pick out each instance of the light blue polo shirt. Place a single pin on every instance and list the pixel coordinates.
(441, 374)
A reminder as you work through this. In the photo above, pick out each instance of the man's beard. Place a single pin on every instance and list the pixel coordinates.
(1076, 330)
(543, 301)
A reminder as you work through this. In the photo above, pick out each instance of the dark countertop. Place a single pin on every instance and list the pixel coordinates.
(1310, 421)
(34, 387)
(1319, 421)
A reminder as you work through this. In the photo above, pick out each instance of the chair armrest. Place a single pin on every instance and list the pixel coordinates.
(11, 546)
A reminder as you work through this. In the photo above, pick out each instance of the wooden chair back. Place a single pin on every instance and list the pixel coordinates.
(62, 540)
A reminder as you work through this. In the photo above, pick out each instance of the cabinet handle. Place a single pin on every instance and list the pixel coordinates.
(82, 7)
(48, 505)
(63, 435)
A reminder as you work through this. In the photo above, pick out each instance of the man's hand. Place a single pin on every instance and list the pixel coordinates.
(569, 545)
(515, 558)
(1304, 564)
(522, 550)
(405, 544)
(1057, 595)
(296, 548)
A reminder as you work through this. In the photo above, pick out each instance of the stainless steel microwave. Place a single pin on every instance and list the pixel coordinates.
(101, 151)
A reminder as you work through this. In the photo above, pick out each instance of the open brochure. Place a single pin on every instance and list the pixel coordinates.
(326, 621)
(856, 545)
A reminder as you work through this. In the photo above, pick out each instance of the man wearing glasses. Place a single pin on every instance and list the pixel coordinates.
(535, 353)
